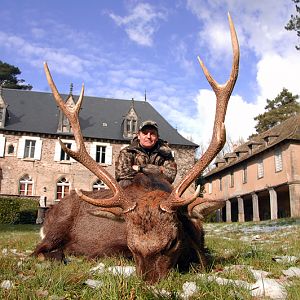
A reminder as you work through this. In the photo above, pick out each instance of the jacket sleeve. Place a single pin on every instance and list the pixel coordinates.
(168, 169)
(123, 166)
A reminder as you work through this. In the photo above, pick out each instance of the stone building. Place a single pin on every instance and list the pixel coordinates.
(260, 179)
(32, 162)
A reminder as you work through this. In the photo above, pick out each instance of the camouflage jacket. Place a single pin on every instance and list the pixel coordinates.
(158, 161)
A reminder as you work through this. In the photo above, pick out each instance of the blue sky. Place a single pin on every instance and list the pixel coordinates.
(119, 49)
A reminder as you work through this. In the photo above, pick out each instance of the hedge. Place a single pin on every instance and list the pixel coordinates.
(18, 210)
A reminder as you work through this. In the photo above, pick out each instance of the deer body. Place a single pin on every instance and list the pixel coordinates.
(69, 228)
(155, 239)
(161, 227)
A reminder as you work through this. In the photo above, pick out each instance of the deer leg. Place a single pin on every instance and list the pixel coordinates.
(47, 250)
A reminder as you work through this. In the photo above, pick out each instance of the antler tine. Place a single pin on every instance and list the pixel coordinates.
(223, 92)
(81, 155)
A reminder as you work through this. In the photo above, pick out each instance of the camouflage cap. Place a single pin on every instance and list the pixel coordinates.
(149, 123)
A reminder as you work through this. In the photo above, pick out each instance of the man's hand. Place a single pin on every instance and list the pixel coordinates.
(136, 168)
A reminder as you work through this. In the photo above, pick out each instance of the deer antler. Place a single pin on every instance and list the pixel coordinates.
(218, 139)
(82, 156)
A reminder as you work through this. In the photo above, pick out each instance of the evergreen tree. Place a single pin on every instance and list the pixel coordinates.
(279, 109)
(294, 22)
(8, 77)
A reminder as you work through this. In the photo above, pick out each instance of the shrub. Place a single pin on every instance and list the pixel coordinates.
(18, 210)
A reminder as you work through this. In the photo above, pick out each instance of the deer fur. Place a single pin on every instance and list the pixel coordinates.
(157, 240)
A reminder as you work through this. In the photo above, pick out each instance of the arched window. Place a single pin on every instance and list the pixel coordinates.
(62, 188)
(26, 186)
(130, 127)
(99, 185)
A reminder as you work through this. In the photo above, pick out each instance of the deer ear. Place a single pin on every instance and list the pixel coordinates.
(204, 208)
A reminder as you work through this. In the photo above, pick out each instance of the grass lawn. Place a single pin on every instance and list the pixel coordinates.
(238, 252)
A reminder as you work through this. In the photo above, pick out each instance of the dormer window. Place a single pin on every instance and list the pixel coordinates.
(131, 125)
(229, 157)
(63, 122)
(269, 139)
(253, 145)
(130, 122)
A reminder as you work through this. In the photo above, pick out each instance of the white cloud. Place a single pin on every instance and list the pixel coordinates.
(59, 59)
(141, 24)
(239, 120)
(274, 72)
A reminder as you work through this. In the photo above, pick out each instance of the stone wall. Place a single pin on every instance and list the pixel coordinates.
(46, 172)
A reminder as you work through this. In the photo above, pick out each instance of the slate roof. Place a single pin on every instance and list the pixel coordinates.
(37, 112)
(287, 130)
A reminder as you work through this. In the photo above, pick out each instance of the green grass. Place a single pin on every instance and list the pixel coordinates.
(229, 245)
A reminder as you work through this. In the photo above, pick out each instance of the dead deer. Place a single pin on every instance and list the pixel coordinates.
(160, 228)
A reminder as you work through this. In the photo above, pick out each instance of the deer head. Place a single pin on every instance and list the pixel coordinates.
(154, 232)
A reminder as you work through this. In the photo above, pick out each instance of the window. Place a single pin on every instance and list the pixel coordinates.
(209, 187)
(10, 149)
(26, 186)
(99, 185)
(260, 169)
(130, 123)
(134, 126)
(66, 127)
(60, 155)
(244, 175)
(100, 154)
(231, 179)
(278, 160)
(30, 147)
(63, 154)
(62, 188)
(131, 126)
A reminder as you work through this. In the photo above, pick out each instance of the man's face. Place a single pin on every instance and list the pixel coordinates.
(148, 137)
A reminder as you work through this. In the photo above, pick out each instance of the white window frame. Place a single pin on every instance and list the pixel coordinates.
(108, 152)
(131, 126)
(278, 160)
(29, 148)
(101, 154)
(37, 148)
(58, 150)
(260, 168)
(2, 145)
(99, 185)
(63, 185)
(26, 182)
